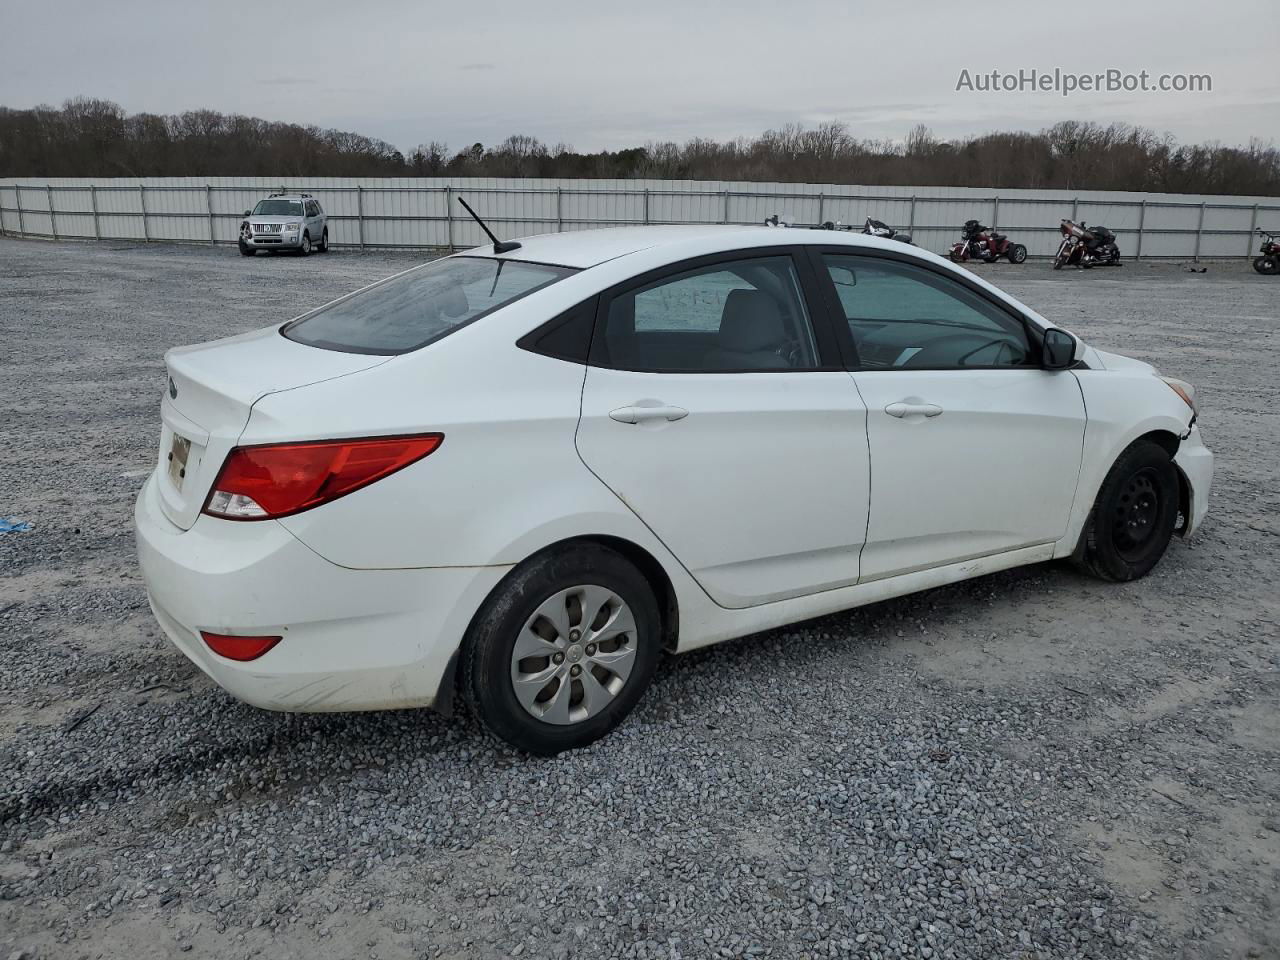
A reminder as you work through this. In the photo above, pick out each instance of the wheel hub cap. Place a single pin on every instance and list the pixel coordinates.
(574, 654)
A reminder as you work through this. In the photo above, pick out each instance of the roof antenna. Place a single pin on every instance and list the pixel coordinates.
(499, 246)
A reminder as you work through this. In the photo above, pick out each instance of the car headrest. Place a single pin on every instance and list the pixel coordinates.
(453, 301)
(750, 321)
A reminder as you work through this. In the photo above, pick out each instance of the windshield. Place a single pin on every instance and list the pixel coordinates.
(413, 309)
(278, 208)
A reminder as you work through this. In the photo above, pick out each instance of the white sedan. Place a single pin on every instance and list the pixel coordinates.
(519, 475)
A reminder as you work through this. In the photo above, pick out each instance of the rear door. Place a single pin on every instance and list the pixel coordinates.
(975, 450)
(313, 220)
(716, 408)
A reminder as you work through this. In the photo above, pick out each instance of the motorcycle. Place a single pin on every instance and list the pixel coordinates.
(1085, 247)
(1268, 264)
(982, 243)
(877, 228)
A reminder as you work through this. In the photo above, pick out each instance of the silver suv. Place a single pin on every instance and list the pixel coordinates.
(285, 221)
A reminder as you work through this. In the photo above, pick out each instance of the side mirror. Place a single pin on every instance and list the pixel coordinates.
(247, 212)
(1058, 351)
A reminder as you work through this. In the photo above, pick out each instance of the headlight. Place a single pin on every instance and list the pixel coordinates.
(292, 226)
(1185, 390)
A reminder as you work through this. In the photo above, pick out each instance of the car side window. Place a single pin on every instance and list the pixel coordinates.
(904, 316)
(737, 315)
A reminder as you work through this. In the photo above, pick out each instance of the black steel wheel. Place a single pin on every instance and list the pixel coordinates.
(1134, 514)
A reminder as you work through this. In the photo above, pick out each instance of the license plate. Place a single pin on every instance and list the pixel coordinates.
(178, 460)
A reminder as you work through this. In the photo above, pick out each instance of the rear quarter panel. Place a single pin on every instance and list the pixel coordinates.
(506, 481)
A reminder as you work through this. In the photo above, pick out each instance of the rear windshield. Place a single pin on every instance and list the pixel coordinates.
(413, 309)
(278, 208)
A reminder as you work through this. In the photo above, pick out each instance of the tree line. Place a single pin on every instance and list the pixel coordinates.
(97, 138)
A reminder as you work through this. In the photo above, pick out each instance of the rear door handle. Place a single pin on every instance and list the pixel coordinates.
(905, 408)
(641, 411)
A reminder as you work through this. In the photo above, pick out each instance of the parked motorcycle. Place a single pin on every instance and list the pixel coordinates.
(1084, 246)
(878, 228)
(1268, 264)
(982, 243)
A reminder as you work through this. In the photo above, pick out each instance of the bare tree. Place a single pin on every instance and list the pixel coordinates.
(92, 137)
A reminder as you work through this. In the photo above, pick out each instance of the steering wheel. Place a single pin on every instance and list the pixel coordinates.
(944, 350)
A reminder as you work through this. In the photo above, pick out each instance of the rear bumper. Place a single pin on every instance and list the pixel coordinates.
(1195, 461)
(353, 639)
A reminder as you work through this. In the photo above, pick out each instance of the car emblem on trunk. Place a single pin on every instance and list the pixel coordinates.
(173, 389)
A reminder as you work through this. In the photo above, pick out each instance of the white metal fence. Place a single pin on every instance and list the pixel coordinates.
(423, 213)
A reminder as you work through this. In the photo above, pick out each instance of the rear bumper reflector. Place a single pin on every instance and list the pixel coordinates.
(238, 648)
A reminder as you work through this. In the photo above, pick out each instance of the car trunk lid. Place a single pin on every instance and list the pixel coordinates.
(210, 392)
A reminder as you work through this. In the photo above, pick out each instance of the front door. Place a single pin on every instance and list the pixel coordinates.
(975, 450)
(721, 416)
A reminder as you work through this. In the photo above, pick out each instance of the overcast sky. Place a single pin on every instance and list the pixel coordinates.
(605, 74)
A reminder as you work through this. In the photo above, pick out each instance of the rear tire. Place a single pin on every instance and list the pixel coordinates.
(561, 690)
(1267, 266)
(1017, 253)
(324, 242)
(1134, 515)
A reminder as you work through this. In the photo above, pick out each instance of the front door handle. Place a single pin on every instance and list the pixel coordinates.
(912, 408)
(643, 410)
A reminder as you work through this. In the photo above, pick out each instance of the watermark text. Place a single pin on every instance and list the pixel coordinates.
(1066, 83)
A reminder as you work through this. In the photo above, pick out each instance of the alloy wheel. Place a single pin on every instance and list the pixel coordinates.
(574, 654)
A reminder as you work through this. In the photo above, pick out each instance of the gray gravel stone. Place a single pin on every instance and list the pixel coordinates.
(1029, 765)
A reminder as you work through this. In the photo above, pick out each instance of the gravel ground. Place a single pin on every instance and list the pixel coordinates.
(1033, 764)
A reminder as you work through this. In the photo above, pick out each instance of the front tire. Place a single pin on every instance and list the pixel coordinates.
(245, 249)
(304, 248)
(1267, 266)
(1134, 515)
(563, 649)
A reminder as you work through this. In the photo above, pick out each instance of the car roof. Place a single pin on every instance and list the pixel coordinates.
(662, 244)
(587, 248)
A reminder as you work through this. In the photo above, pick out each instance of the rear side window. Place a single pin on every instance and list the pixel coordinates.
(734, 315)
(413, 309)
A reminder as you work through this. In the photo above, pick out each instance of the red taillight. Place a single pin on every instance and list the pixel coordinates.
(238, 648)
(275, 480)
